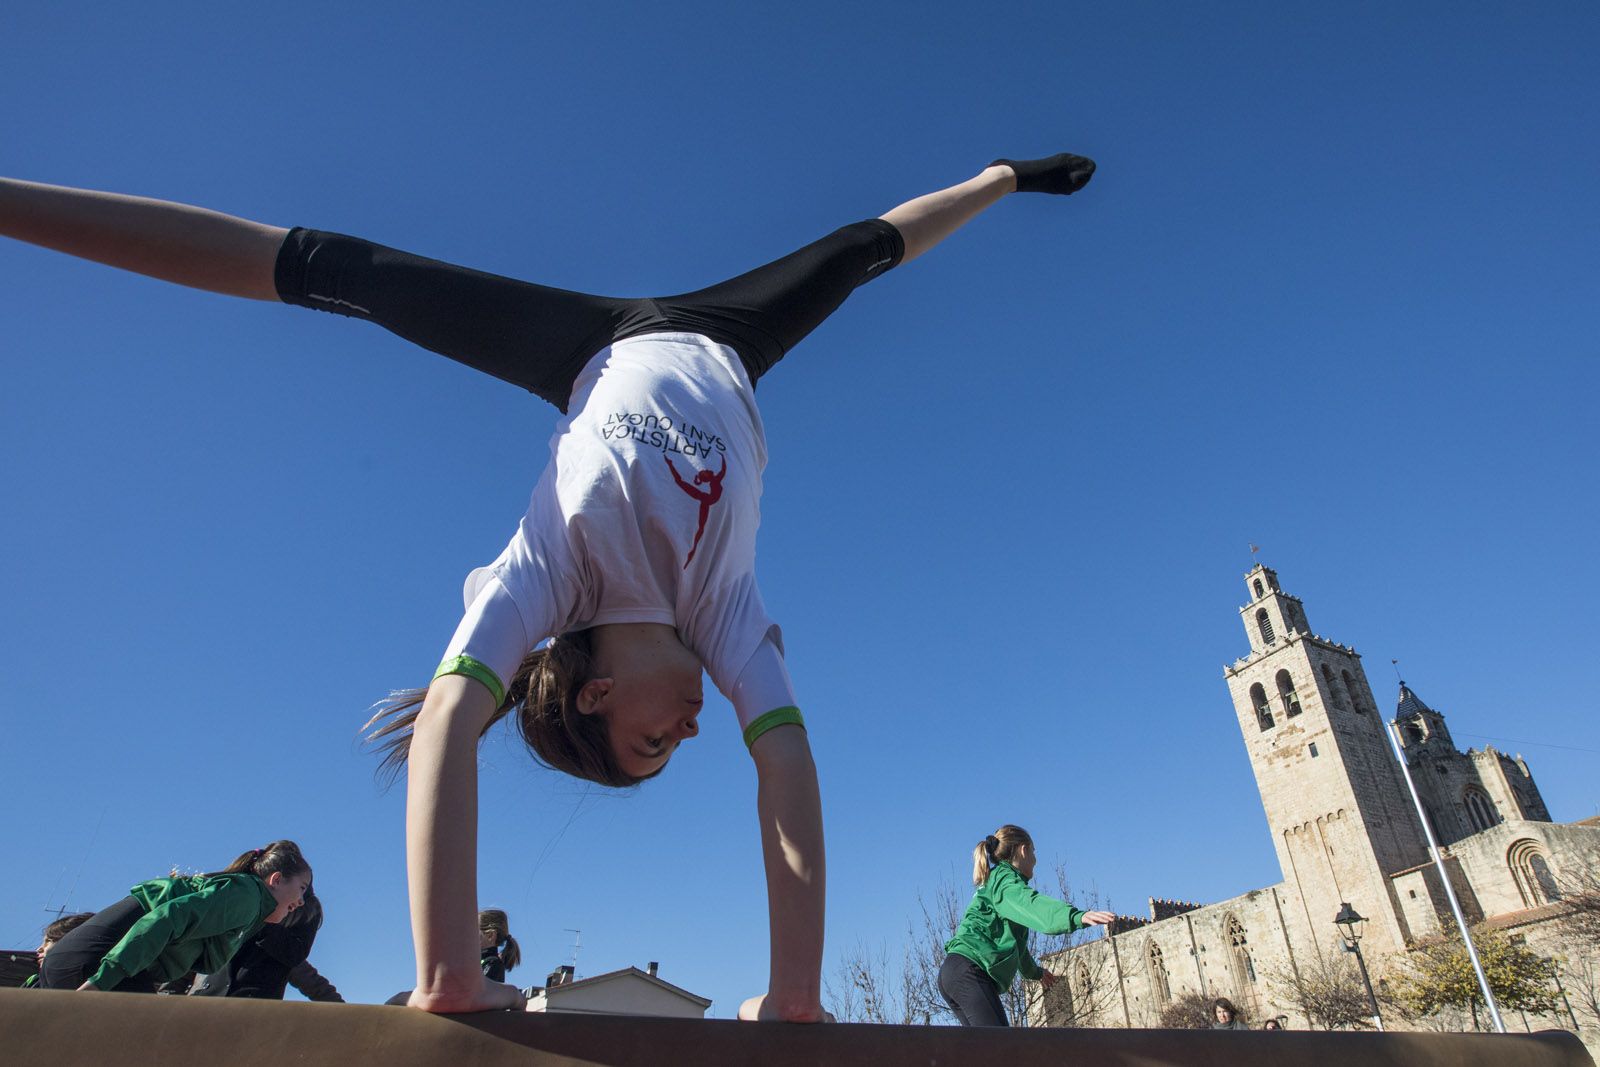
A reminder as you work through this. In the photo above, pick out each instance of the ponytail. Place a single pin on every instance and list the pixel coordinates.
(999, 846)
(280, 857)
(510, 955)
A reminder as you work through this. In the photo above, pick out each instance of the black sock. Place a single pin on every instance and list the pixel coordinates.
(1064, 174)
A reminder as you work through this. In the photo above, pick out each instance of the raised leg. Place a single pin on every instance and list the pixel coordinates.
(927, 220)
(178, 243)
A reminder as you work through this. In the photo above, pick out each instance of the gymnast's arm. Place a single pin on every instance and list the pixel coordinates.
(178, 243)
(790, 809)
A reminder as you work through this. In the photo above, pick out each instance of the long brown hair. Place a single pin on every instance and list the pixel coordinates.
(544, 695)
(1000, 845)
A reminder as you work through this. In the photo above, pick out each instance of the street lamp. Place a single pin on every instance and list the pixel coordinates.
(1349, 924)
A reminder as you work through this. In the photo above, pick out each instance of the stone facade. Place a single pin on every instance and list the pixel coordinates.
(1345, 829)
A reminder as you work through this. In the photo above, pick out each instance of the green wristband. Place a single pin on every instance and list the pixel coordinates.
(775, 717)
(475, 670)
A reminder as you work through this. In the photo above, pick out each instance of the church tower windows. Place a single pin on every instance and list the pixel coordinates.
(1082, 984)
(1333, 687)
(1264, 623)
(1158, 976)
(1244, 968)
(1350, 692)
(1480, 809)
(1260, 592)
(1286, 693)
(1258, 700)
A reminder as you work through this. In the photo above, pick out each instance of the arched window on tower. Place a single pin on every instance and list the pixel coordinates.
(1158, 974)
(1350, 692)
(1286, 693)
(1244, 968)
(1258, 700)
(1259, 591)
(1082, 988)
(1333, 686)
(1530, 869)
(1480, 809)
(1264, 624)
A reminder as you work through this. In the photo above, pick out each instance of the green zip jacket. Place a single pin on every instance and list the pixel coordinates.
(195, 922)
(994, 931)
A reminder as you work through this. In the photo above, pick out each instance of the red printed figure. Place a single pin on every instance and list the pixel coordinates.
(707, 497)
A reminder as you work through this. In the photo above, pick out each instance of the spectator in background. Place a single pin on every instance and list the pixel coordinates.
(1226, 1016)
(991, 943)
(498, 949)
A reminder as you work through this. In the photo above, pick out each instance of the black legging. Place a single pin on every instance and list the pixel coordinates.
(971, 993)
(540, 338)
(79, 954)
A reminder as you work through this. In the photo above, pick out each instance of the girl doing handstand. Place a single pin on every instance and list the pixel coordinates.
(638, 573)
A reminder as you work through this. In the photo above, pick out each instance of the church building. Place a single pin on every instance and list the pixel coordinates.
(1345, 829)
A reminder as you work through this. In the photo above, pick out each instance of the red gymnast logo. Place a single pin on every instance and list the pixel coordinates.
(706, 497)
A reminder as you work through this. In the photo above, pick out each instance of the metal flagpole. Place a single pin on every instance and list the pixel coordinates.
(1444, 877)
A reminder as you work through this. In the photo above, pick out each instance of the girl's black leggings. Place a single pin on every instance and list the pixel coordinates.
(540, 338)
(970, 992)
(71, 961)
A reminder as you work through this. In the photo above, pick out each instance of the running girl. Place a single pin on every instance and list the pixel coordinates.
(991, 944)
(168, 927)
(636, 558)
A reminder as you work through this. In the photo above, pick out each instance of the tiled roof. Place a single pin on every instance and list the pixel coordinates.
(1512, 919)
(1410, 704)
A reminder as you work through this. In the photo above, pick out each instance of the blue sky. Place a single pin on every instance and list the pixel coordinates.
(1332, 292)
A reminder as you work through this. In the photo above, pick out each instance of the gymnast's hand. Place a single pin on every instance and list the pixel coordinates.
(488, 996)
(764, 1009)
(1097, 918)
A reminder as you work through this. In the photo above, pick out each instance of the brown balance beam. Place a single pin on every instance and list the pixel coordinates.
(57, 1029)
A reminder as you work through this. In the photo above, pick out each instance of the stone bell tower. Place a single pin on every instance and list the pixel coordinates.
(1341, 818)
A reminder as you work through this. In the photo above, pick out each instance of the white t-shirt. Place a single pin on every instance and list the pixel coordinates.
(647, 512)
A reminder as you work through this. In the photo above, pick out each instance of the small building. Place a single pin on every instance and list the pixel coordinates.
(629, 991)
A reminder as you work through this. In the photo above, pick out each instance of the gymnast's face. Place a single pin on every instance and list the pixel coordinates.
(650, 691)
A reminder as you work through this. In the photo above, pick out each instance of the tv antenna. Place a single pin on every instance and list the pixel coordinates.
(577, 943)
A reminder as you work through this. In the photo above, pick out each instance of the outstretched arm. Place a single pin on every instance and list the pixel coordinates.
(174, 242)
(790, 809)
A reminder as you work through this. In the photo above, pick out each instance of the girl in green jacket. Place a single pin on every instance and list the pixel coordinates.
(168, 927)
(991, 944)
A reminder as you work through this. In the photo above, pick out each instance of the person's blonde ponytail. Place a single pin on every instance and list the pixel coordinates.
(998, 846)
